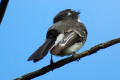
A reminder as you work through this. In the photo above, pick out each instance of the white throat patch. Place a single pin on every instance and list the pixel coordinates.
(69, 13)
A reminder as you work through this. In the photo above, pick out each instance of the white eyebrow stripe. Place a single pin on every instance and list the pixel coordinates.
(69, 13)
(72, 10)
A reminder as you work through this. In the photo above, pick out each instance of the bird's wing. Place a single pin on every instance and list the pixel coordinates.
(70, 37)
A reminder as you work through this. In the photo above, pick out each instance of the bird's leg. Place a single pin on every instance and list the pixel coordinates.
(51, 61)
(73, 55)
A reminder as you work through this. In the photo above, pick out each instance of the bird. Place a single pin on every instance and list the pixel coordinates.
(65, 37)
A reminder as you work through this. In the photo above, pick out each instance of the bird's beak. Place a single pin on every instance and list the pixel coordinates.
(78, 12)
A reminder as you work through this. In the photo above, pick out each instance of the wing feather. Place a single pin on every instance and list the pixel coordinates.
(69, 39)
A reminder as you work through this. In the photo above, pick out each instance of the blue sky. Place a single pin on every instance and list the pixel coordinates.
(24, 28)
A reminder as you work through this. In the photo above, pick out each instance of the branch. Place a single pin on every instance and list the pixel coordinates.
(3, 6)
(62, 62)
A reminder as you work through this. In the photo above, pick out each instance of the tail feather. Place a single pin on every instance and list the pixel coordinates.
(42, 51)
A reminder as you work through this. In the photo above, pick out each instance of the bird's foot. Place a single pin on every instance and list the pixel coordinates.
(77, 60)
(73, 55)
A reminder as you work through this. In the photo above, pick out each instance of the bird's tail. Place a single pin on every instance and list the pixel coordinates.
(42, 51)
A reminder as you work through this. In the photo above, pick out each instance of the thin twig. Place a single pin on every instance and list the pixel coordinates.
(62, 62)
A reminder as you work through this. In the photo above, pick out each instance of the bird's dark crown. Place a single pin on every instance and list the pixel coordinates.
(66, 15)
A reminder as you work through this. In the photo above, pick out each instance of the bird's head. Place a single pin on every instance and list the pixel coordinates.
(67, 14)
